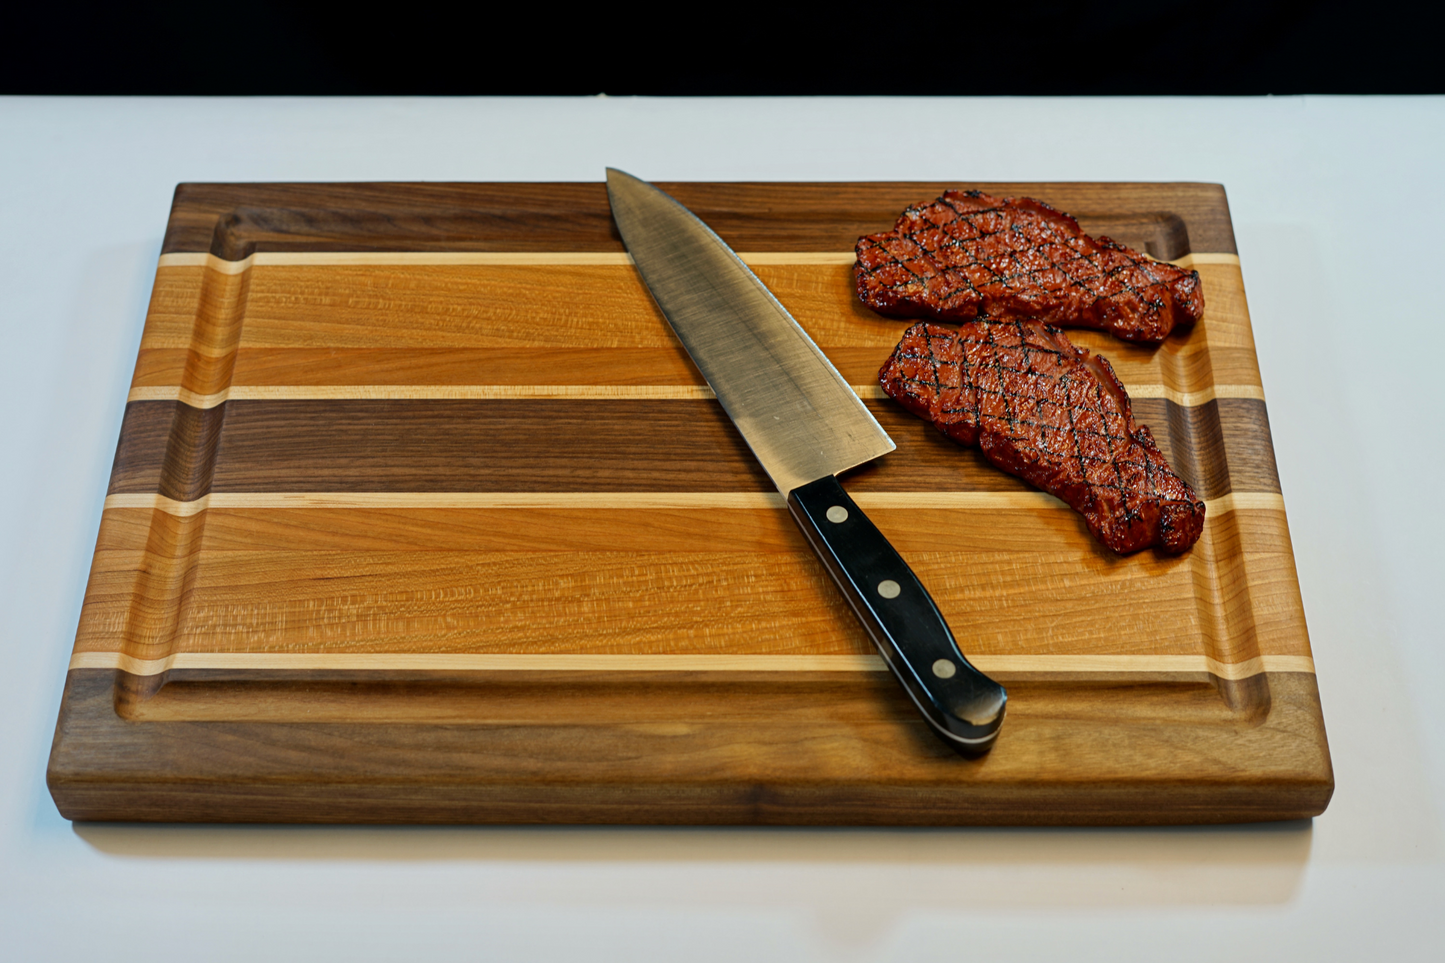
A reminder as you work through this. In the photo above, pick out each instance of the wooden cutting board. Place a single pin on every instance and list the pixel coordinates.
(420, 514)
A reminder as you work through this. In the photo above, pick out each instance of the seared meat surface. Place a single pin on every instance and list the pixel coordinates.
(968, 254)
(1052, 414)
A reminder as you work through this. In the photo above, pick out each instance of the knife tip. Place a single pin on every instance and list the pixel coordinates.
(616, 175)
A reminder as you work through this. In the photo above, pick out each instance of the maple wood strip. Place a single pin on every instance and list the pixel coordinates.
(452, 662)
(330, 258)
(630, 501)
(596, 392)
(438, 392)
(433, 393)
(1204, 257)
(1114, 665)
(592, 501)
(1202, 396)
(1245, 501)
(424, 258)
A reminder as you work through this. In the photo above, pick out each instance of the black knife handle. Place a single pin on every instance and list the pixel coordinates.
(962, 705)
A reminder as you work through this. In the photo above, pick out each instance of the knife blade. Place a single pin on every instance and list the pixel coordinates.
(806, 426)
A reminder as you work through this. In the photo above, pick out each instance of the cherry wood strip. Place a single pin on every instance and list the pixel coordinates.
(594, 524)
(214, 364)
(559, 306)
(159, 566)
(234, 221)
(712, 600)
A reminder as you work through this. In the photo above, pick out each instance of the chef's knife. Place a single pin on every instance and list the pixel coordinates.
(805, 425)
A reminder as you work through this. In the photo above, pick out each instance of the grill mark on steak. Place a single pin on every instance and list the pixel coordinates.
(1054, 415)
(968, 254)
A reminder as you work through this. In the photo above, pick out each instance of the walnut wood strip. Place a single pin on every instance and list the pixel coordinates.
(841, 751)
(1001, 666)
(539, 444)
(234, 221)
(169, 448)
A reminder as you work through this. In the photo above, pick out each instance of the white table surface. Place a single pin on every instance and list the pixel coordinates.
(1339, 210)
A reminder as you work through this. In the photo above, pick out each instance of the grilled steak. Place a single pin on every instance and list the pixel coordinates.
(968, 254)
(1052, 414)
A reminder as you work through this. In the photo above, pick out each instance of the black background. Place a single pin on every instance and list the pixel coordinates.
(262, 47)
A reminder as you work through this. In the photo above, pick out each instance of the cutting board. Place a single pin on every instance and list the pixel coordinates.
(419, 513)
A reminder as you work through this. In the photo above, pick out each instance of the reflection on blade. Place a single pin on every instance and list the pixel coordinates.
(801, 419)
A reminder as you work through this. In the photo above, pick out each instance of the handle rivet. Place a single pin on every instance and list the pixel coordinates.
(944, 669)
(837, 514)
(889, 589)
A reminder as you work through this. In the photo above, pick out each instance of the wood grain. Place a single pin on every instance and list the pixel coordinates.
(420, 513)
